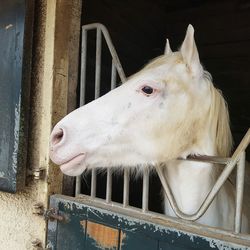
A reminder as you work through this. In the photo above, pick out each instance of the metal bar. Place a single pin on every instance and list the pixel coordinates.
(126, 188)
(78, 185)
(113, 75)
(93, 183)
(98, 62)
(109, 185)
(83, 67)
(145, 190)
(82, 91)
(220, 181)
(110, 46)
(207, 159)
(239, 191)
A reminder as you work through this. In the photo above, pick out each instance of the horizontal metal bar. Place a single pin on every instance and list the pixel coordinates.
(207, 159)
(110, 46)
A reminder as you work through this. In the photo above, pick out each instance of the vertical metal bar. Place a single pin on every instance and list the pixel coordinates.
(145, 190)
(239, 191)
(82, 90)
(109, 185)
(126, 187)
(113, 75)
(93, 183)
(78, 185)
(97, 93)
(83, 67)
(98, 62)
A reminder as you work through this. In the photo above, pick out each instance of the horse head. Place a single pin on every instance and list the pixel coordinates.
(160, 113)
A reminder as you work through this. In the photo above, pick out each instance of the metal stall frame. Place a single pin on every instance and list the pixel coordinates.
(183, 220)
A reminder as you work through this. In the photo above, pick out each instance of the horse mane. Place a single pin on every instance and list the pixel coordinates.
(219, 121)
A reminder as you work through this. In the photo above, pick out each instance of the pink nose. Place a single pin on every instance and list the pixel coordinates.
(57, 137)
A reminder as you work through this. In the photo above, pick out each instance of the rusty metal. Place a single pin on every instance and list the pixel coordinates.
(38, 173)
(38, 208)
(52, 214)
(36, 243)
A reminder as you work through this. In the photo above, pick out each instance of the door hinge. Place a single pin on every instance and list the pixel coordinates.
(38, 174)
(37, 245)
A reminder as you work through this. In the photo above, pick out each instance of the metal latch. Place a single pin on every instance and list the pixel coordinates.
(52, 214)
(48, 214)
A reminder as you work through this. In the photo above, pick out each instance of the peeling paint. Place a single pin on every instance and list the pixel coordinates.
(8, 26)
(122, 238)
(105, 237)
(216, 244)
(53, 226)
(83, 224)
(134, 225)
(16, 135)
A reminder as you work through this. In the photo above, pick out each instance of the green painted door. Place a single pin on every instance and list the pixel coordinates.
(88, 227)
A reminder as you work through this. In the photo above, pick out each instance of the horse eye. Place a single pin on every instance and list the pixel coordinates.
(147, 90)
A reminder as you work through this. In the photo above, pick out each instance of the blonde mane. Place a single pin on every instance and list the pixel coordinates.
(220, 124)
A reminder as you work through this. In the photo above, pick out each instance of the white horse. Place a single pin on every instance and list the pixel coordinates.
(169, 109)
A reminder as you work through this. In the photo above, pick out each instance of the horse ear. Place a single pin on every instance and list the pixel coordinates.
(190, 53)
(168, 50)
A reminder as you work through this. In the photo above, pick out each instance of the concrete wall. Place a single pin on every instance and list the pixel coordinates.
(56, 34)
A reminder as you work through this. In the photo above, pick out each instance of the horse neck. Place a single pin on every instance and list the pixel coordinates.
(189, 181)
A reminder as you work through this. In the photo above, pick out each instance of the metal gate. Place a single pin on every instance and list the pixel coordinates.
(88, 222)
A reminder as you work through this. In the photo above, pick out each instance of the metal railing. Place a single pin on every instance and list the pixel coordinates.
(115, 67)
(238, 158)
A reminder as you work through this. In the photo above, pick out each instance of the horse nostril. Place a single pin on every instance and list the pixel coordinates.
(57, 137)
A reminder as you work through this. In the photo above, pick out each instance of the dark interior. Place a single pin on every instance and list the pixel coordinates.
(222, 29)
